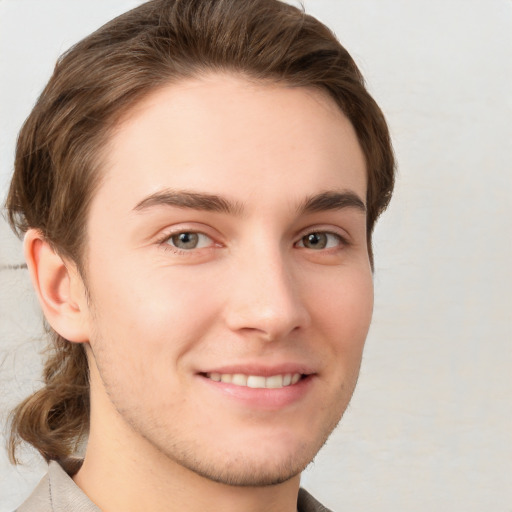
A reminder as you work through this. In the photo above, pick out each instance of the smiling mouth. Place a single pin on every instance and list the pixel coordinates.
(256, 381)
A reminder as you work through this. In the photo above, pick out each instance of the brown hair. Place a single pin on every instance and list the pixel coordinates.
(58, 155)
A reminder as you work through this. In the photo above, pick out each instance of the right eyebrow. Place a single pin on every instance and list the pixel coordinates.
(190, 200)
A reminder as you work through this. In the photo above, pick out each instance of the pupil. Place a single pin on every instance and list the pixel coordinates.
(316, 240)
(186, 240)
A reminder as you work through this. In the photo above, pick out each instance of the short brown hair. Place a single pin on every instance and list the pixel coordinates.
(58, 156)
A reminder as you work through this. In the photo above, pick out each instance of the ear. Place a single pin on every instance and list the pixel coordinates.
(59, 287)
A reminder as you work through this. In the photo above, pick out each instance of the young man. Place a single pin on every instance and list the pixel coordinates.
(197, 186)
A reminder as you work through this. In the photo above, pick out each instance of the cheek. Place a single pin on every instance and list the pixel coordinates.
(151, 314)
(345, 309)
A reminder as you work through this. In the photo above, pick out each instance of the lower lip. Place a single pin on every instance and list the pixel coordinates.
(262, 398)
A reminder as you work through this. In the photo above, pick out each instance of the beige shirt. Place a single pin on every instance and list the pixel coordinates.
(58, 493)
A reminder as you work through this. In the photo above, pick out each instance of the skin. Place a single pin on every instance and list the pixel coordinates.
(255, 294)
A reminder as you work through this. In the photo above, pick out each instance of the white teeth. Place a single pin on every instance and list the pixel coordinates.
(276, 381)
(256, 381)
(239, 379)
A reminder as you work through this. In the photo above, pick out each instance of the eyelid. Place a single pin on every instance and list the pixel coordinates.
(341, 242)
(203, 240)
(329, 230)
(166, 234)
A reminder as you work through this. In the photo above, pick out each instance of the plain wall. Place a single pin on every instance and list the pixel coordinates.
(430, 424)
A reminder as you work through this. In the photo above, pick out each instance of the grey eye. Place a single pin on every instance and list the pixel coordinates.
(315, 241)
(319, 240)
(188, 241)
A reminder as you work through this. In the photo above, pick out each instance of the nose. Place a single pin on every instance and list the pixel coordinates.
(265, 296)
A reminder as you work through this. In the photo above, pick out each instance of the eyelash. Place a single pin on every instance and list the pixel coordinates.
(341, 241)
(164, 241)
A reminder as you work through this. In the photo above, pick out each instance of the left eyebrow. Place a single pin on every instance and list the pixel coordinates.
(332, 201)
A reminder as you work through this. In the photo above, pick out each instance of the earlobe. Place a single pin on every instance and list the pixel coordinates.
(59, 287)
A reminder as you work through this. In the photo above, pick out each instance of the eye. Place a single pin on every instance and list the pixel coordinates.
(188, 240)
(320, 240)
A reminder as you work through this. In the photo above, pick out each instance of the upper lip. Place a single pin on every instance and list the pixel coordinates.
(261, 370)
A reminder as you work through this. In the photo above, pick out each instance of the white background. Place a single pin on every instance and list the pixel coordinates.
(430, 425)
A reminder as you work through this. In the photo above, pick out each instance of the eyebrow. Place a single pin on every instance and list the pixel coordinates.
(332, 200)
(191, 200)
(324, 201)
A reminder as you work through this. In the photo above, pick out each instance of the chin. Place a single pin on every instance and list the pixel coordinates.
(247, 472)
(251, 462)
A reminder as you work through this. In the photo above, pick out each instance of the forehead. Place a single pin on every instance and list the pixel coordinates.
(226, 135)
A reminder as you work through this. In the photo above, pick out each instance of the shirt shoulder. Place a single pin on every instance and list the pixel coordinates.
(57, 493)
(39, 500)
(306, 503)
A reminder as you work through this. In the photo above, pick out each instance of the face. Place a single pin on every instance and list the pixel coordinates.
(229, 280)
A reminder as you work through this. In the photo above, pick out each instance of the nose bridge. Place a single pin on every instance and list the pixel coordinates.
(264, 297)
